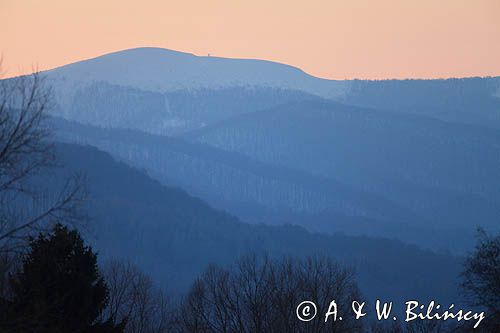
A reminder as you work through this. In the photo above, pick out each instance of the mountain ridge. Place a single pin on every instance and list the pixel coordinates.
(174, 236)
(164, 70)
(190, 54)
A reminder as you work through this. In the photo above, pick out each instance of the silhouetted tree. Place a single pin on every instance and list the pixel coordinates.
(261, 295)
(26, 151)
(58, 289)
(135, 300)
(481, 281)
(481, 275)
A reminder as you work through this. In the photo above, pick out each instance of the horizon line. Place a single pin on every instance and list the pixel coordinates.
(210, 55)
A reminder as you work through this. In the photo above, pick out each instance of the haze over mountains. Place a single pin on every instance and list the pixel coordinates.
(174, 236)
(442, 171)
(412, 159)
(167, 92)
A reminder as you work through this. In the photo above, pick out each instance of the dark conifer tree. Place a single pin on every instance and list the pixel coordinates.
(58, 289)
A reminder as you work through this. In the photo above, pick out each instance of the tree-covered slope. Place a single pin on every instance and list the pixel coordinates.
(173, 236)
(446, 172)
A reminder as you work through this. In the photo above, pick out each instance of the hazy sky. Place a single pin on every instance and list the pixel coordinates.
(332, 39)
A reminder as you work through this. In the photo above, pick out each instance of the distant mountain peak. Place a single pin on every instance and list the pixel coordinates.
(161, 70)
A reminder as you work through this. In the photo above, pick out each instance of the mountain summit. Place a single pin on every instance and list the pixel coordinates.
(161, 70)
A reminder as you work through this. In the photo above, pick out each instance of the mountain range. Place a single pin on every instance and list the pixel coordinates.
(173, 236)
(196, 160)
(414, 160)
(181, 91)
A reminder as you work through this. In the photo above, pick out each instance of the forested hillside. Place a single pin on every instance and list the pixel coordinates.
(173, 236)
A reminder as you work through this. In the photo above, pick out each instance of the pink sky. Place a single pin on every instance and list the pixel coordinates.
(332, 39)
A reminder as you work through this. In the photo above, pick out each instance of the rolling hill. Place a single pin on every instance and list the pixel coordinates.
(173, 236)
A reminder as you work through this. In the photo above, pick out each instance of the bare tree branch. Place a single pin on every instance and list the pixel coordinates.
(26, 152)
